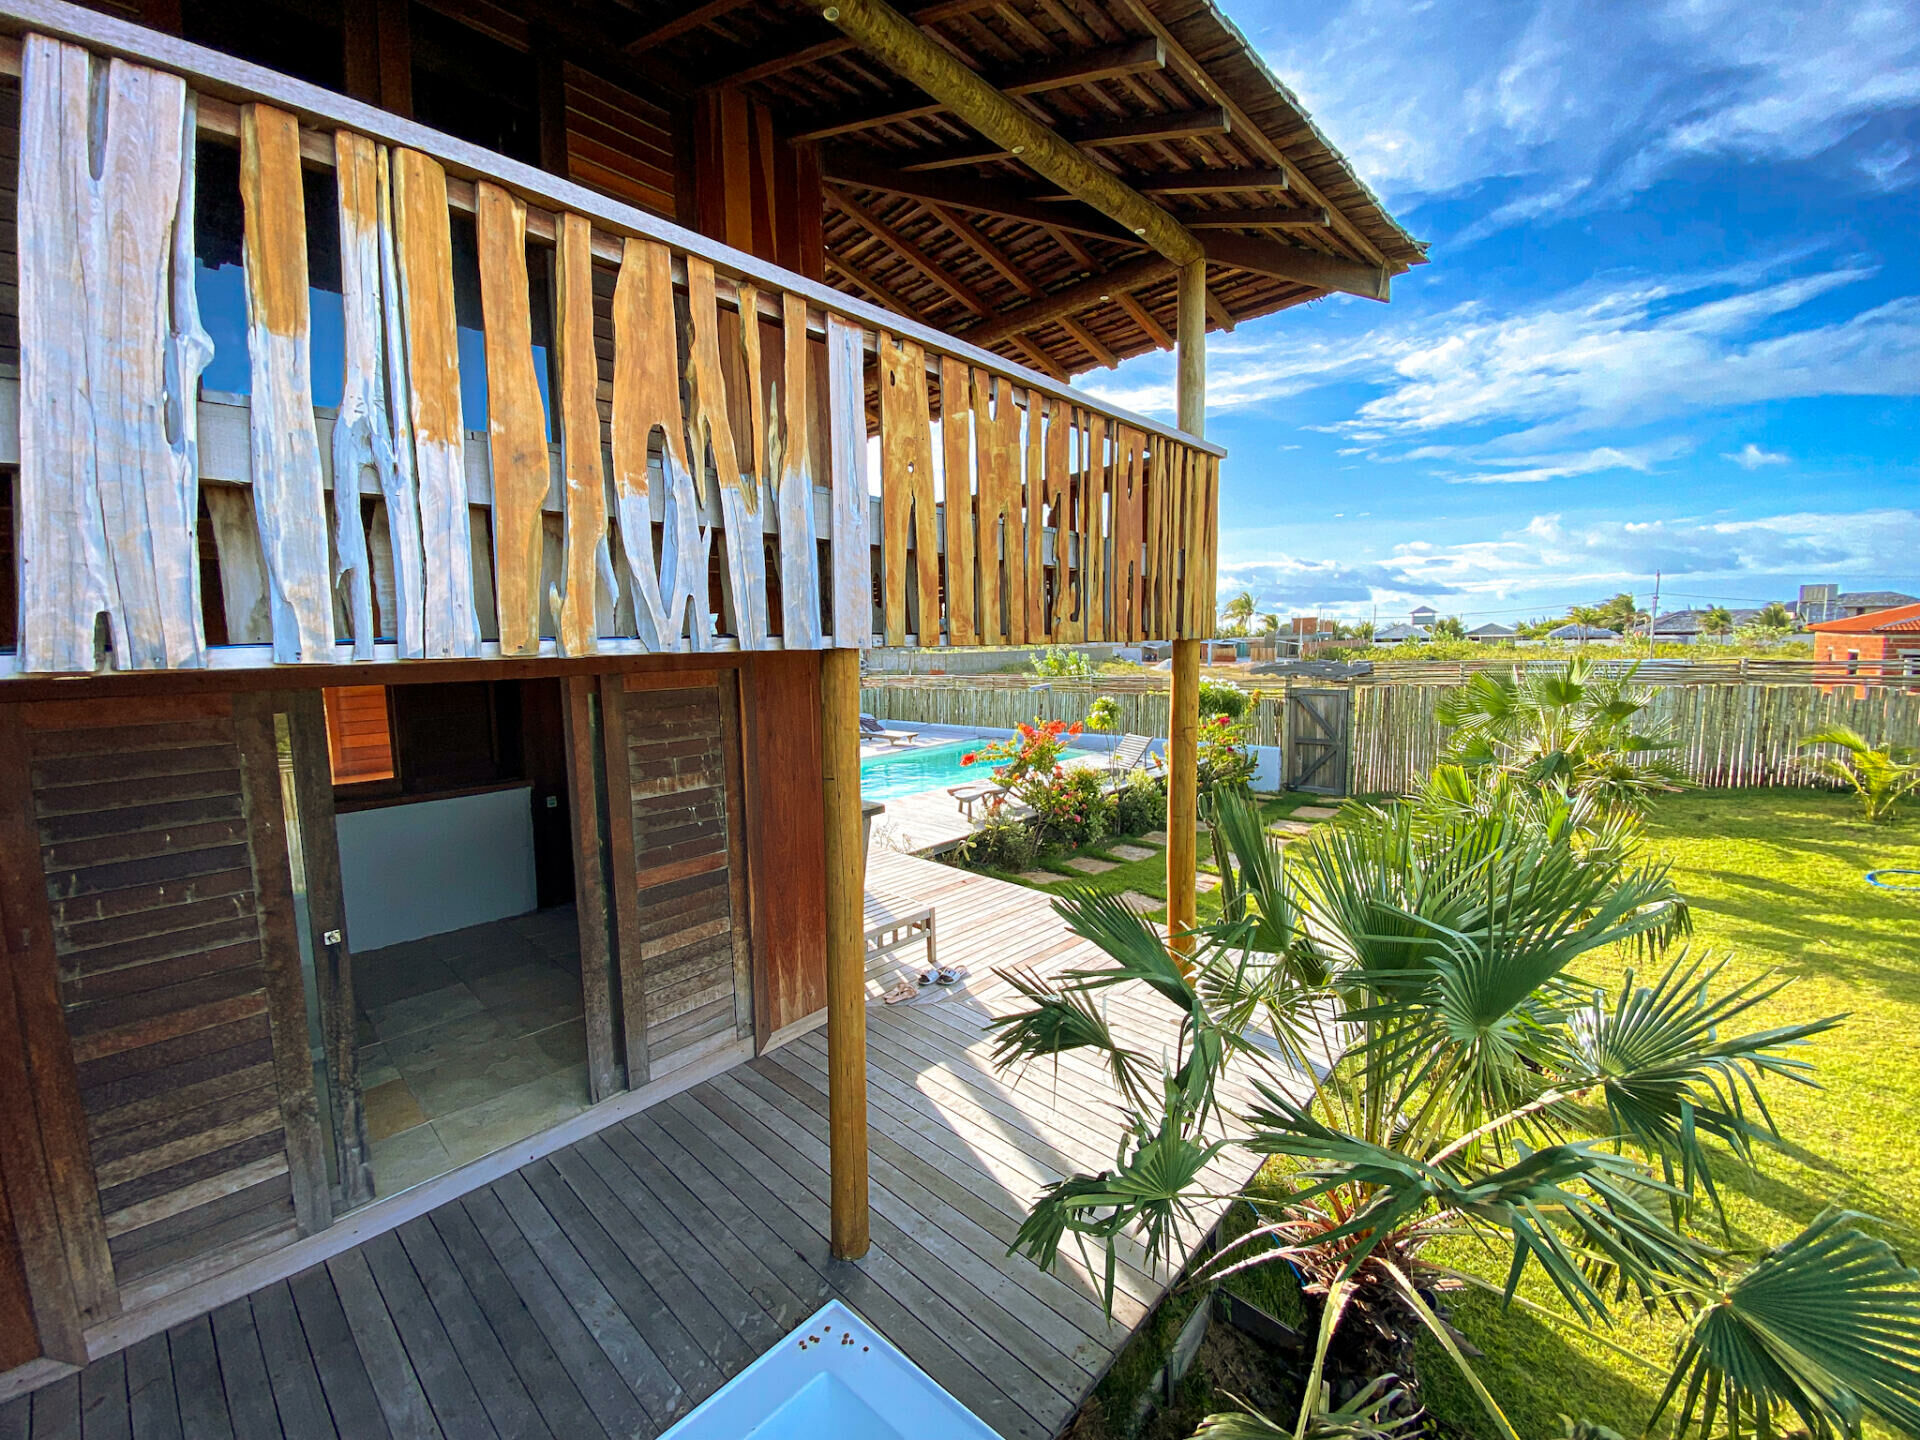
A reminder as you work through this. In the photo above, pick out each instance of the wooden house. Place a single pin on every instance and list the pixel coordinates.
(456, 454)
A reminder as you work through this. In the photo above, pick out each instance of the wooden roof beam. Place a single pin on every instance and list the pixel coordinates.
(985, 248)
(1132, 130)
(1181, 59)
(909, 252)
(898, 43)
(1088, 341)
(1134, 57)
(1259, 216)
(1143, 317)
(1263, 255)
(1212, 182)
(880, 293)
(965, 192)
(798, 51)
(1070, 300)
(680, 24)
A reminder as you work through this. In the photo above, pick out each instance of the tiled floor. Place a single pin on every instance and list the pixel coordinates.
(469, 1041)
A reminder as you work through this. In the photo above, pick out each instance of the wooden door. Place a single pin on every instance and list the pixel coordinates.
(160, 851)
(1317, 741)
(684, 962)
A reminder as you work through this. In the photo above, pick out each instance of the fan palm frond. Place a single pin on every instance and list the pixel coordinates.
(1826, 1326)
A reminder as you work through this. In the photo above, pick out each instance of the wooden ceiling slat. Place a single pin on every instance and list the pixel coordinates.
(1263, 216)
(910, 252)
(1149, 326)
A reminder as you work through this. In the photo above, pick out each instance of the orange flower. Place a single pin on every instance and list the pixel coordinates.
(969, 758)
(1075, 728)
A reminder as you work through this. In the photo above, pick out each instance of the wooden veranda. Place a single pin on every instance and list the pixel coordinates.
(609, 1286)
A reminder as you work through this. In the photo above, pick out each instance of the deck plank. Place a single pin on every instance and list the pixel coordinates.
(104, 1412)
(243, 1371)
(450, 1394)
(197, 1381)
(343, 1375)
(297, 1395)
(151, 1397)
(396, 1387)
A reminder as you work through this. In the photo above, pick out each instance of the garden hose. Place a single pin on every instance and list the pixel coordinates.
(1880, 879)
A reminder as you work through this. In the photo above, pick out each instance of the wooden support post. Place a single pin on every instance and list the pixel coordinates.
(1182, 793)
(846, 959)
(1183, 728)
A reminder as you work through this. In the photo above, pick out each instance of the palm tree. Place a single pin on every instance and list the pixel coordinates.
(1236, 613)
(1718, 620)
(1479, 1090)
(1269, 623)
(1574, 728)
(1587, 617)
(1879, 774)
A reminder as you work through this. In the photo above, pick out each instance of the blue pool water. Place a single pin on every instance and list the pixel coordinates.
(928, 767)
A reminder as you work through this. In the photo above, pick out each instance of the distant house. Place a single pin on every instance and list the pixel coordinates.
(1423, 616)
(1878, 643)
(1590, 634)
(1491, 632)
(1685, 627)
(1398, 634)
(1819, 603)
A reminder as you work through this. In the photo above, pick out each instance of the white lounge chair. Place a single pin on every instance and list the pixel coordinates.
(872, 729)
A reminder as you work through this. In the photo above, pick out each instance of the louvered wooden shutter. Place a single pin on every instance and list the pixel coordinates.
(164, 856)
(680, 911)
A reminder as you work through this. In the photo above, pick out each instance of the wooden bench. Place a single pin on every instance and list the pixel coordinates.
(890, 932)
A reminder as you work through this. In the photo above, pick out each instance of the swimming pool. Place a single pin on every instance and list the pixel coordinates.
(894, 773)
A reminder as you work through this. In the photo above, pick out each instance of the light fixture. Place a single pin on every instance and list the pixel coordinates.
(832, 12)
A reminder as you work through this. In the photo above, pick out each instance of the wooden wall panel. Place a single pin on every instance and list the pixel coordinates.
(786, 840)
(1001, 539)
(620, 143)
(667, 777)
(907, 515)
(150, 825)
(1129, 520)
(1093, 525)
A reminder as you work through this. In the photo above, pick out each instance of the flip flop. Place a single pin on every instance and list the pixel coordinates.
(905, 990)
(947, 976)
(929, 977)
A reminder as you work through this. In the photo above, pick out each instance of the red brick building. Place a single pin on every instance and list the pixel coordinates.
(1881, 643)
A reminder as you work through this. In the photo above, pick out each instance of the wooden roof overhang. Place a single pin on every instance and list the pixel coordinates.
(928, 216)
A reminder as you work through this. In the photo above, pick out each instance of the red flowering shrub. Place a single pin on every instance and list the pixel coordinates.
(1068, 806)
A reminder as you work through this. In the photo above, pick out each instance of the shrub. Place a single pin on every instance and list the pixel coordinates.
(1225, 759)
(1070, 807)
(1057, 661)
(1141, 805)
(1103, 715)
(1002, 843)
(1031, 750)
(1221, 697)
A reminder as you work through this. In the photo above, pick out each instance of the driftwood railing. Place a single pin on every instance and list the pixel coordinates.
(730, 436)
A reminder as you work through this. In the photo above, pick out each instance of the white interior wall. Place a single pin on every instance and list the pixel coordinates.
(436, 865)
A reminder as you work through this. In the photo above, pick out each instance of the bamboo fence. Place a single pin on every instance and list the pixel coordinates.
(1731, 734)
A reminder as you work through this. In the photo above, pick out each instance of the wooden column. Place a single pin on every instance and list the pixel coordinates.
(1183, 731)
(846, 958)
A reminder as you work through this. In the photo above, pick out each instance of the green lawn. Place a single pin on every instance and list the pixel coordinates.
(1147, 877)
(1775, 878)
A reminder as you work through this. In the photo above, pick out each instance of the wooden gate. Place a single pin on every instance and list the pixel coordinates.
(145, 842)
(684, 961)
(1318, 722)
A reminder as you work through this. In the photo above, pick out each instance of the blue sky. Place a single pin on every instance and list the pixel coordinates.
(1672, 319)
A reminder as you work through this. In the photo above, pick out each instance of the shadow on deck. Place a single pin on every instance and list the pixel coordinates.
(608, 1287)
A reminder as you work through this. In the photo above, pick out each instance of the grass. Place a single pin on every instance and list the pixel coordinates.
(1149, 876)
(1776, 882)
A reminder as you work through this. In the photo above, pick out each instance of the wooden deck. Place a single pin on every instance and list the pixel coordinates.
(610, 1286)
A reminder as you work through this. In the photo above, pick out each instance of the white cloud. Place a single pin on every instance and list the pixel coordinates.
(1548, 555)
(1533, 469)
(1751, 457)
(1564, 105)
(1614, 353)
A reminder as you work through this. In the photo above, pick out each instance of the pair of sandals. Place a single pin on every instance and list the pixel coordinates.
(940, 976)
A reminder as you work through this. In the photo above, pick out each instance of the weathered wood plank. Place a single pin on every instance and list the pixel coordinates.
(907, 515)
(451, 1393)
(383, 1353)
(847, 422)
(362, 438)
(107, 489)
(626, 895)
(590, 586)
(1129, 515)
(791, 465)
(584, 787)
(1056, 510)
(400, 515)
(1034, 564)
(197, 1381)
(289, 506)
(1093, 524)
(329, 1339)
(424, 246)
(297, 1395)
(1001, 541)
(715, 443)
(516, 421)
(646, 398)
(956, 447)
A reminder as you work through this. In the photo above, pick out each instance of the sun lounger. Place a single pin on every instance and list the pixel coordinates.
(872, 729)
(1126, 757)
(980, 791)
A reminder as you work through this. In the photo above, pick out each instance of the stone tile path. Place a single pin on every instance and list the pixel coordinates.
(1087, 865)
(1133, 852)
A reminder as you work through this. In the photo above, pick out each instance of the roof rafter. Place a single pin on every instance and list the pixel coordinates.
(1131, 58)
(966, 192)
(1260, 216)
(908, 251)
